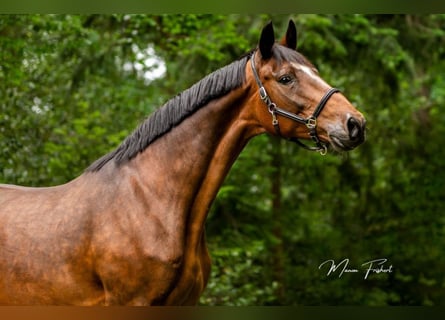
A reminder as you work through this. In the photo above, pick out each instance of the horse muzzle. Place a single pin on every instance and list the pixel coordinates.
(353, 136)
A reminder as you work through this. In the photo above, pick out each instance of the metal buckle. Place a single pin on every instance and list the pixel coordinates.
(311, 123)
(263, 94)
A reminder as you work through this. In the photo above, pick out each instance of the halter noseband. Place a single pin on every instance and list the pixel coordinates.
(310, 122)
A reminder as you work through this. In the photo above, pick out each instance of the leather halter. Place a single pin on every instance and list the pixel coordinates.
(310, 122)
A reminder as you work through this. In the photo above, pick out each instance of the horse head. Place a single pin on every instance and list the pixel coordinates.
(295, 102)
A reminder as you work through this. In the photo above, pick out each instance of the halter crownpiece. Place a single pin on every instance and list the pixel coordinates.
(310, 122)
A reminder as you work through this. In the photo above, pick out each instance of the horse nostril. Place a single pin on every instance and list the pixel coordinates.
(355, 128)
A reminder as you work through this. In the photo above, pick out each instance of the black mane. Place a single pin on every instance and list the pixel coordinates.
(213, 86)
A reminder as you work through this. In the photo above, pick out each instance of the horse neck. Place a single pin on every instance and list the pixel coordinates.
(185, 168)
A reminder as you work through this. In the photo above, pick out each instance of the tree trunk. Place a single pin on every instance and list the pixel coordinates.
(277, 231)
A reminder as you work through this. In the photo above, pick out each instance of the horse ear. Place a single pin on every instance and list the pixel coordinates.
(290, 39)
(267, 40)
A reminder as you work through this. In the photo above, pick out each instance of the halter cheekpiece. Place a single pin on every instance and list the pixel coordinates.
(310, 122)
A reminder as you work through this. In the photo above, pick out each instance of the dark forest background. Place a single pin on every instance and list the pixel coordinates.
(72, 87)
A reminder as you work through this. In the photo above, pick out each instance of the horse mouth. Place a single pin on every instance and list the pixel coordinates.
(339, 144)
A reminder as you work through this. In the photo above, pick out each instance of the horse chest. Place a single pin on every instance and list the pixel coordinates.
(149, 270)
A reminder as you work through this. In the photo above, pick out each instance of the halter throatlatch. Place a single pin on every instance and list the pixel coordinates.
(310, 122)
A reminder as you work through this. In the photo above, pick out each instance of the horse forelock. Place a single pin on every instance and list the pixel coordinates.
(282, 54)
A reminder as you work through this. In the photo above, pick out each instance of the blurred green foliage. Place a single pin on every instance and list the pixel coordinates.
(67, 98)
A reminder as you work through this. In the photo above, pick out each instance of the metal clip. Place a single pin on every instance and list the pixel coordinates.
(274, 119)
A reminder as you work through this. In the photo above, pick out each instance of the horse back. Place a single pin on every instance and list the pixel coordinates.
(44, 246)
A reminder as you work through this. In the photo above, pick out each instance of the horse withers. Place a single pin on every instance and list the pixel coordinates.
(130, 229)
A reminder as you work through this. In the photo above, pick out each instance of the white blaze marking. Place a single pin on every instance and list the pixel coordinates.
(308, 71)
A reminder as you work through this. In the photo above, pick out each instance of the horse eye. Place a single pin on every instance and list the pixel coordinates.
(286, 79)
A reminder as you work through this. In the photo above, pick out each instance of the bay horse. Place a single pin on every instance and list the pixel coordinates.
(130, 229)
